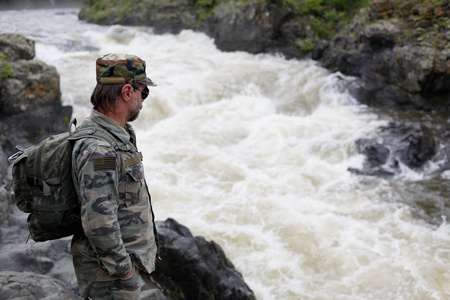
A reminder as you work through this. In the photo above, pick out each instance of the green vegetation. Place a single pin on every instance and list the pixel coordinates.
(102, 10)
(322, 19)
(307, 46)
(5, 72)
(326, 17)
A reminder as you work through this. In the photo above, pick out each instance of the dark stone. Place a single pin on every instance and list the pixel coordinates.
(252, 27)
(192, 268)
(16, 46)
(376, 153)
(406, 142)
(17, 285)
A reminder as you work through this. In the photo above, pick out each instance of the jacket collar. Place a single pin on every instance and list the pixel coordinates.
(124, 134)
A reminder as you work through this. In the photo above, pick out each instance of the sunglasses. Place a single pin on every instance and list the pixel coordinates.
(144, 92)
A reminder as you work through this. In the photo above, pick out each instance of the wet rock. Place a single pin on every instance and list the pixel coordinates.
(192, 268)
(404, 142)
(252, 27)
(412, 143)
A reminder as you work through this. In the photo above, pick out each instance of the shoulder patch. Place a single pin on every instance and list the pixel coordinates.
(104, 163)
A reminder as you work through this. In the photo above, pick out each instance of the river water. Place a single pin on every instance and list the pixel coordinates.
(252, 151)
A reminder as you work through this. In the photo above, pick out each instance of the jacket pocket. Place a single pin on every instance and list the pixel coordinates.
(133, 185)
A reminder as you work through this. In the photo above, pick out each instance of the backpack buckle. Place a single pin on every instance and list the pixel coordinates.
(15, 156)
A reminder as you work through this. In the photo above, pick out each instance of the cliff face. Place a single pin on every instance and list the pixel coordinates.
(398, 50)
(402, 57)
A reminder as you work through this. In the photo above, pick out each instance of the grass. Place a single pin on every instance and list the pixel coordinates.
(5, 72)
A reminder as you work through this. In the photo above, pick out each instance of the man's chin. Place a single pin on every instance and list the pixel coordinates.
(133, 117)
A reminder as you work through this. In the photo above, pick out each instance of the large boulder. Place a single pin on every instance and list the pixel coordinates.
(15, 47)
(192, 268)
(402, 142)
(401, 62)
(32, 286)
(30, 105)
(30, 97)
(252, 27)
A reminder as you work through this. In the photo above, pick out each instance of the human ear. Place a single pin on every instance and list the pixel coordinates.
(127, 90)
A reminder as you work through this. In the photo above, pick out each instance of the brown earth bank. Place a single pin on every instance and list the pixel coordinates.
(398, 50)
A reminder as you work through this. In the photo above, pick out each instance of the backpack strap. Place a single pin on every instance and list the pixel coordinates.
(89, 132)
(97, 132)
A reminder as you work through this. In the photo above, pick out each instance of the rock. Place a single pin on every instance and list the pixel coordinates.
(30, 97)
(412, 142)
(16, 285)
(32, 84)
(16, 46)
(164, 16)
(406, 142)
(402, 65)
(251, 27)
(192, 268)
(30, 106)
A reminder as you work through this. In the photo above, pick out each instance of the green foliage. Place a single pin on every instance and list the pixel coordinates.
(312, 6)
(5, 72)
(205, 3)
(206, 8)
(307, 46)
(324, 17)
(100, 10)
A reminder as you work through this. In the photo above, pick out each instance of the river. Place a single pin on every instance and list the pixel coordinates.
(252, 151)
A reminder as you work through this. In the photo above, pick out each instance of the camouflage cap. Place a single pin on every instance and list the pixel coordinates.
(121, 68)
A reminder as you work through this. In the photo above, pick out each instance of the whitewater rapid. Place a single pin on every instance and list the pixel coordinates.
(252, 151)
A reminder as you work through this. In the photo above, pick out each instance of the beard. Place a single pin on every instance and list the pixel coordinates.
(135, 109)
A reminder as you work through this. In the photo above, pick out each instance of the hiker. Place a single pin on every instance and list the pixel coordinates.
(118, 242)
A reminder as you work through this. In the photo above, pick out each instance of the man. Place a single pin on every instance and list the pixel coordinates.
(119, 239)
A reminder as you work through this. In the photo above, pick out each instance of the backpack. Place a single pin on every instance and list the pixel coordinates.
(43, 186)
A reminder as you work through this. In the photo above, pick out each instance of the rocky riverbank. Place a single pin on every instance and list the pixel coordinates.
(398, 51)
(30, 110)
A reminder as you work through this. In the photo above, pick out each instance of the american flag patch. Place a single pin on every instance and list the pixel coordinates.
(104, 163)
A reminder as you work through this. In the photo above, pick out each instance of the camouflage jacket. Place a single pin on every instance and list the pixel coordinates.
(116, 213)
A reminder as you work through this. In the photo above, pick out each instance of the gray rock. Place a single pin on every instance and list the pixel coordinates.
(30, 286)
(192, 268)
(16, 46)
(406, 142)
(251, 27)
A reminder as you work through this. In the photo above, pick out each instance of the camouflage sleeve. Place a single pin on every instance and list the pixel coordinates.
(97, 170)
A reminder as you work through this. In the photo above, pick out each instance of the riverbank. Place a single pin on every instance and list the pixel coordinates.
(398, 50)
